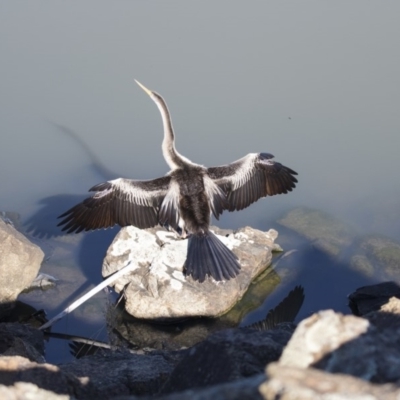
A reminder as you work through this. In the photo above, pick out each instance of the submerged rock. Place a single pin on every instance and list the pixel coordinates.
(370, 255)
(378, 253)
(158, 289)
(327, 233)
(20, 261)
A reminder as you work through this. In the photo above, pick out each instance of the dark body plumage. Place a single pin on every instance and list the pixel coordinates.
(184, 200)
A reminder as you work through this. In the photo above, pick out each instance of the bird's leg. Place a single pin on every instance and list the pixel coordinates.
(181, 233)
(184, 234)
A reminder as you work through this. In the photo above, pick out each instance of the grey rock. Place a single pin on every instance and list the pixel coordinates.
(371, 298)
(290, 383)
(107, 374)
(157, 288)
(19, 262)
(243, 389)
(21, 340)
(317, 363)
(228, 356)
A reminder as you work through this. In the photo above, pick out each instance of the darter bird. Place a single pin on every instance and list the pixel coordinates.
(184, 199)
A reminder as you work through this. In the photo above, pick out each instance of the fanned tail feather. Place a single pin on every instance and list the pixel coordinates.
(207, 255)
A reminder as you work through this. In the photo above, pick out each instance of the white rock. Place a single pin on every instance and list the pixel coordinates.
(157, 289)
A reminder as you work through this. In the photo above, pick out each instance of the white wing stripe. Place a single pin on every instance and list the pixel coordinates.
(134, 194)
(244, 173)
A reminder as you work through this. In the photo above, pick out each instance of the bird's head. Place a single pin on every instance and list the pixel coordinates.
(154, 96)
(160, 102)
(148, 91)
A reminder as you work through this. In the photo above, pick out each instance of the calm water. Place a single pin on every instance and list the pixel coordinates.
(315, 84)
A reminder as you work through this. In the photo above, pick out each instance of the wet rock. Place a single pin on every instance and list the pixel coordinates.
(247, 388)
(324, 358)
(327, 233)
(317, 362)
(372, 297)
(19, 262)
(157, 288)
(290, 383)
(228, 356)
(105, 375)
(108, 374)
(21, 340)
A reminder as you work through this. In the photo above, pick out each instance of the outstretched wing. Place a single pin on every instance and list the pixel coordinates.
(252, 177)
(120, 201)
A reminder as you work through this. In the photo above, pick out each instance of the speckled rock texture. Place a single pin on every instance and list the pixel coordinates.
(20, 262)
(158, 289)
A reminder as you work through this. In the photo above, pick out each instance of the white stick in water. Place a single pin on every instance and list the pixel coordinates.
(129, 267)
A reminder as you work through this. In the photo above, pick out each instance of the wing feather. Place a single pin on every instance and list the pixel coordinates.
(169, 209)
(120, 201)
(252, 177)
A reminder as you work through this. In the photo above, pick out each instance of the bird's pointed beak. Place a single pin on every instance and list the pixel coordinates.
(149, 92)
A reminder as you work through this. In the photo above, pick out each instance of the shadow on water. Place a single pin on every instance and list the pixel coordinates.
(286, 311)
(93, 250)
(95, 162)
(43, 224)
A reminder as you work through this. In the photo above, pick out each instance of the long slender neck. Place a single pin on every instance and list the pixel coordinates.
(171, 155)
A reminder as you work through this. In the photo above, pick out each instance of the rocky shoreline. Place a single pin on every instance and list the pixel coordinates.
(327, 355)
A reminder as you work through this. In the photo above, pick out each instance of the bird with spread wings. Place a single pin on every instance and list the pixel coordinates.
(184, 200)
